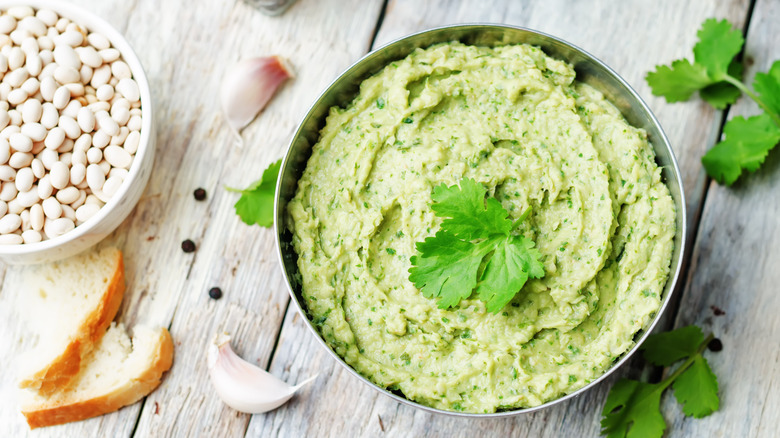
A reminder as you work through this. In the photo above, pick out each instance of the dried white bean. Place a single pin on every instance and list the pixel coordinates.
(100, 76)
(18, 35)
(95, 177)
(71, 38)
(31, 236)
(99, 106)
(20, 142)
(34, 65)
(121, 70)
(61, 226)
(48, 87)
(44, 187)
(120, 115)
(5, 119)
(129, 89)
(112, 185)
(54, 138)
(85, 74)
(61, 97)
(20, 159)
(14, 207)
(3, 208)
(106, 124)
(48, 158)
(15, 58)
(64, 151)
(34, 25)
(69, 212)
(52, 208)
(118, 172)
(70, 126)
(79, 202)
(38, 146)
(5, 150)
(132, 141)
(17, 96)
(34, 131)
(109, 55)
(100, 139)
(65, 56)
(98, 41)
(5, 90)
(11, 239)
(86, 119)
(15, 115)
(66, 75)
(36, 217)
(3, 63)
(25, 215)
(37, 168)
(67, 195)
(82, 144)
(89, 56)
(7, 24)
(9, 130)
(72, 109)
(86, 211)
(105, 92)
(16, 77)
(46, 54)
(31, 86)
(94, 154)
(60, 175)
(77, 173)
(76, 89)
(121, 136)
(105, 166)
(48, 16)
(24, 179)
(45, 43)
(28, 198)
(10, 223)
(117, 156)
(92, 199)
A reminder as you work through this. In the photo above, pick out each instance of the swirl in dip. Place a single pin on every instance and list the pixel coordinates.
(518, 122)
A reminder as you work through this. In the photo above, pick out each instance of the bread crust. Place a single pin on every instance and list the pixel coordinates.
(59, 373)
(61, 409)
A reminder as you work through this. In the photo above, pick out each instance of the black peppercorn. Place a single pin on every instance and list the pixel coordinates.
(715, 345)
(200, 194)
(188, 246)
(215, 293)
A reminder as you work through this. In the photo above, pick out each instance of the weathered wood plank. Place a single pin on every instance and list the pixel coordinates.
(632, 37)
(734, 268)
(186, 51)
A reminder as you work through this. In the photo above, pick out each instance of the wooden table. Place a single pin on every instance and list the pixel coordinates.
(186, 47)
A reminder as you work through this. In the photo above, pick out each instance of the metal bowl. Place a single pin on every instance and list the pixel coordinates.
(589, 70)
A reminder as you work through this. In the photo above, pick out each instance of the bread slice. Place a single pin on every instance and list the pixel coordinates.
(117, 373)
(77, 300)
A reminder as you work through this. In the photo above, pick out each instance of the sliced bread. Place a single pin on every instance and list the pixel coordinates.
(77, 299)
(117, 373)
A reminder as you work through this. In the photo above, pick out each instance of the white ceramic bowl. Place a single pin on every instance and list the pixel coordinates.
(108, 218)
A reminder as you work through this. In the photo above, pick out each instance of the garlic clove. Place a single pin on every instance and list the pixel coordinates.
(242, 385)
(248, 86)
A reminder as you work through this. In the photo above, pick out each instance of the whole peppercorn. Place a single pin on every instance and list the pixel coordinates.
(199, 194)
(715, 345)
(215, 293)
(188, 246)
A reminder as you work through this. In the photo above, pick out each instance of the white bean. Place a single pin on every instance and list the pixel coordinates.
(70, 126)
(86, 119)
(30, 47)
(7, 24)
(121, 136)
(95, 177)
(32, 111)
(128, 88)
(54, 138)
(109, 55)
(37, 168)
(28, 198)
(5, 150)
(60, 175)
(15, 115)
(18, 35)
(92, 199)
(85, 74)
(34, 25)
(34, 64)
(30, 236)
(38, 146)
(120, 115)
(11, 239)
(98, 41)
(67, 195)
(117, 156)
(132, 141)
(61, 97)
(36, 217)
(25, 215)
(48, 87)
(86, 211)
(20, 142)
(100, 76)
(66, 75)
(76, 89)
(44, 187)
(45, 43)
(48, 158)
(34, 130)
(10, 223)
(3, 208)
(52, 208)
(65, 56)
(94, 155)
(71, 109)
(20, 159)
(69, 212)
(61, 226)
(17, 96)
(118, 172)
(8, 191)
(31, 86)
(105, 166)
(89, 56)
(5, 90)
(98, 106)
(17, 77)
(71, 38)
(79, 202)
(14, 207)
(48, 16)
(106, 124)
(120, 70)
(9, 130)
(46, 54)
(24, 179)
(77, 173)
(82, 144)
(15, 58)
(112, 185)
(3, 63)
(105, 92)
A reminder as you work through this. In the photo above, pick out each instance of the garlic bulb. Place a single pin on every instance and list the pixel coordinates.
(242, 385)
(248, 86)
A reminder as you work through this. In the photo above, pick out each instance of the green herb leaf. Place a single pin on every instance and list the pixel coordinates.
(474, 229)
(745, 146)
(632, 409)
(667, 348)
(767, 85)
(718, 44)
(678, 82)
(722, 94)
(256, 205)
(697, 389)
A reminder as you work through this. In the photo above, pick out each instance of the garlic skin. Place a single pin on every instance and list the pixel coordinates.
(242, 385)
(248, 86)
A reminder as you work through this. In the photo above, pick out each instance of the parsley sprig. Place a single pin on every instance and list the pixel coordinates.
(633, 407)
(716, 74)
(475, 250)
(256, 204)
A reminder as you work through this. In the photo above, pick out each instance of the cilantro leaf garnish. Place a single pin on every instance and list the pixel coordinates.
(633, 409)
(256, 205)
(474, 249)
(715, 73)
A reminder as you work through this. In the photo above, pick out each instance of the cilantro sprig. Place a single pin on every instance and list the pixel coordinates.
(474, 251)
(716, 74)
(256, 204)
(633, 407)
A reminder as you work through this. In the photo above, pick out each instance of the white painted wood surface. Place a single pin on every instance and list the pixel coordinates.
(186, 47)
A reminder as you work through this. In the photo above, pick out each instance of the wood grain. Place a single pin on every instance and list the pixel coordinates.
(734, 268)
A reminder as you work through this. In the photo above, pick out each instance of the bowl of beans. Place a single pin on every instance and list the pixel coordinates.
(76, 133)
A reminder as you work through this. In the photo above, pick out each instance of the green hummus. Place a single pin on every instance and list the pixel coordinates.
(516, 121)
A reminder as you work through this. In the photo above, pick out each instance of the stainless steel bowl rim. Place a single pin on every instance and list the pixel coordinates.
(661, 141)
